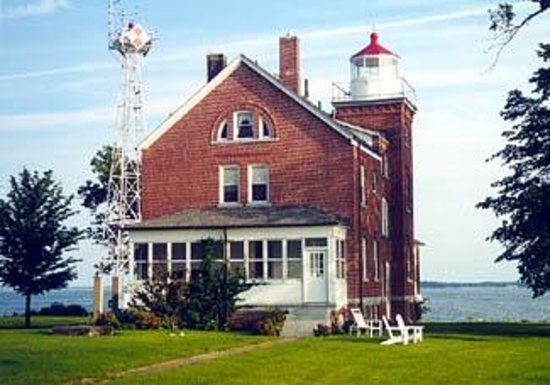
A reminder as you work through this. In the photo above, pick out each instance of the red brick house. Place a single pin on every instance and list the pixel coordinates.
(319, 206)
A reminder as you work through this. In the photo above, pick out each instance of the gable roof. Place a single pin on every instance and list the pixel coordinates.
(346, 130)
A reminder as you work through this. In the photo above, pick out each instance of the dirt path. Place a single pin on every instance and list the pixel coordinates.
(179, 362)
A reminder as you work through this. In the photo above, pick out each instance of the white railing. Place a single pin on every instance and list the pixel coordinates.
(341, 93)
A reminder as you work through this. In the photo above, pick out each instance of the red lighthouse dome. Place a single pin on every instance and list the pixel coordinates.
(374, 48)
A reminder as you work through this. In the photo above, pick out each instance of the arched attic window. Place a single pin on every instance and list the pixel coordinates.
(223, 131)
(266, 131)
(245, 124)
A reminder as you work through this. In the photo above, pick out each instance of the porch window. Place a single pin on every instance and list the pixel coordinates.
(376, 266)
(294, 258)
(274, 259)
(179, 255)
(197, 255)
(316, 242)
(229, 184)
(340, 260)
(236, 258)
(258, 179)
(217, 254)
(255, 260)
(245, 124)
(160, 262)
(141, 258)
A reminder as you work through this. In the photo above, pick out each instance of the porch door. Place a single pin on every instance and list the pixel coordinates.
(316, 275)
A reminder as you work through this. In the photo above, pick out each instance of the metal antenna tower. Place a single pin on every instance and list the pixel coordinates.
(130, 42)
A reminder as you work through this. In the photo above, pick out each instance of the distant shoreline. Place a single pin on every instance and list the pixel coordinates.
(438, 284)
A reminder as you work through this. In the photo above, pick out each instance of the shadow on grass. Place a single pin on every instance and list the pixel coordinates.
(503, 329)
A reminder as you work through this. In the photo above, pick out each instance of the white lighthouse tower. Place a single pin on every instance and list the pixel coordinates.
(374, 76)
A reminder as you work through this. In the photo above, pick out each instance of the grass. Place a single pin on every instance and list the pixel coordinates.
(41, 322)
(453, 353)
(37, 357)
(488, 354)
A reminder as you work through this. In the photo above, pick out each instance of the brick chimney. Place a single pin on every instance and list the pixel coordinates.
(215, 63)
(289, 62)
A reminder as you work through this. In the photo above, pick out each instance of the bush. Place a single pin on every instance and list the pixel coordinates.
(107, 319)
(59, 309)
(322, 330)
(267, 322)
(139, 319)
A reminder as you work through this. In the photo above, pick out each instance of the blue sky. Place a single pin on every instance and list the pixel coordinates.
(59, 85)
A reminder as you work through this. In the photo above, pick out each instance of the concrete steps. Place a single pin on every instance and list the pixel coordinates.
(301, 321)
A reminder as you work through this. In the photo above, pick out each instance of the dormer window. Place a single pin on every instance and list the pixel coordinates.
(245, 124)
(223, 131)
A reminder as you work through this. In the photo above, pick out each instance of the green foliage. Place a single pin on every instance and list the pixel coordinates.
(34, 238)
(268, 322)
(107, 319)
(166, 298)
(59, 309)
(523, 197)
(139, 319)
(213, 291)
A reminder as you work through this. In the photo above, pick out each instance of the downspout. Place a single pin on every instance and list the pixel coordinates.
(360, 231)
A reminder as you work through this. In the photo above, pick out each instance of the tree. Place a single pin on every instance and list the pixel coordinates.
(213, 290)
(34, 238)
(523, 197)
(166, 298)
(503, 22)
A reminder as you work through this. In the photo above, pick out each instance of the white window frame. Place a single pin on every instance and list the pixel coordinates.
(268, 189)
(261, 135)
(384, 213)
(236, 127)
(221, 183)
(364, 258)
(362, 182)
(219, 133)
(375, 260)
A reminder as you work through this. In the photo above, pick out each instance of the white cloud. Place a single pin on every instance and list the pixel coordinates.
(178, 55)
(37, 8)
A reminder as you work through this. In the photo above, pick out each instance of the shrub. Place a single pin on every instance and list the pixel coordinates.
(267, 322)
(140, 319)
(107, 319)
(59, 309)
(322, 330)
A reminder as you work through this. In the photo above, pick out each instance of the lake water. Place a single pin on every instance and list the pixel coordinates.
(462, 303)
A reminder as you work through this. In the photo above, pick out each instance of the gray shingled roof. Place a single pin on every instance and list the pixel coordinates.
(277, 216)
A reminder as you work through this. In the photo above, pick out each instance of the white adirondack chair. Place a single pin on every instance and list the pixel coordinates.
(416, 331)
(397, 334)
(359, 322)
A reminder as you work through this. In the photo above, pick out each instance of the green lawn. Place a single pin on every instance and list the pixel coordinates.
(486, 353)
(40, 322)
(36, 357)
(469, 354)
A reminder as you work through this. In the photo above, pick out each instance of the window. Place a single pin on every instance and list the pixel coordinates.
(362, 183)
(408, 261)
(384, 213)
(229, 184)
(160, 265)
(236, 258)
(316, 242)
(141, 259)
(258, 177)
(179, 256)
(294, 258)
(374, 182)
(340, 260)
(408, 191)
(197, 255)
(265, 129)
(245, 124)
(364, 258)
(255, 260)
(385, 166)
(274, 260)
(223, 131)
(376, 266)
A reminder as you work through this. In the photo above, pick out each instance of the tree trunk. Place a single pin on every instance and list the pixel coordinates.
(27, 310)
